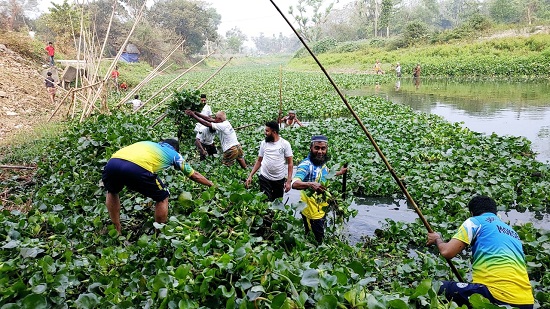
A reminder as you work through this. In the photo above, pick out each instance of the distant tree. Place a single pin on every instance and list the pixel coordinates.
(310, 16)
(386, 15)
(61, 25)
(276, 44)
(505, 11)
(13, 13)
(415, 32)
(191, 20)
(235, 39)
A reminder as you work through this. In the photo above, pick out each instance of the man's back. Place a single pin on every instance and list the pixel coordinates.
(498, 258)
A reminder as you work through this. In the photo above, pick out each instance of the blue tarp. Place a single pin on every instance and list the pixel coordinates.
(127, 57)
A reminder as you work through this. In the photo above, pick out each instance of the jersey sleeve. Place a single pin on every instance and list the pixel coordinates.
(467, 231)
(301, 172)
(288, 149)
(180, 164)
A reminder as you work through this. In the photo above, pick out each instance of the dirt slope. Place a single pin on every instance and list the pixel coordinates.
(24, 102)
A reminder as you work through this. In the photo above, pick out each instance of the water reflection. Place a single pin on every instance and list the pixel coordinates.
(372, 213)
(504, 108)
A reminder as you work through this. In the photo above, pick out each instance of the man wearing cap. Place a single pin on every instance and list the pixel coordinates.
(290, 120)
(135, 167)
(274, 162)
(231, 147)
(310, 177)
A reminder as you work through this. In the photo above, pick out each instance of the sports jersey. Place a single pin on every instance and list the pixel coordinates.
(154, 157)
(315, 202)
(498, 258)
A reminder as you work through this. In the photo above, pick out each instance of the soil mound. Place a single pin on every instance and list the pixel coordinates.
(24, 101)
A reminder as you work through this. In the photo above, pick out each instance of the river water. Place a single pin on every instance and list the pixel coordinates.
(504, 108)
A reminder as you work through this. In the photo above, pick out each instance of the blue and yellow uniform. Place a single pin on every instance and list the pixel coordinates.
(314, 213)
(135, 166)
(498, 258)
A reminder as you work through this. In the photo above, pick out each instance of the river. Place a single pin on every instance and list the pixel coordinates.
(504, 108)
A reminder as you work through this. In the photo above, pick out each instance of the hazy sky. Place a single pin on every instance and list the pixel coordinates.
(251, 16)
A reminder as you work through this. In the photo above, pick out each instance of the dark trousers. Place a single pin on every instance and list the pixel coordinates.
(317, 227)
(272, 188)
(210, 149)
(460, 293)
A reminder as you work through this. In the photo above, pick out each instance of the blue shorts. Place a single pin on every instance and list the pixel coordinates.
(119, 173)
(460, 293)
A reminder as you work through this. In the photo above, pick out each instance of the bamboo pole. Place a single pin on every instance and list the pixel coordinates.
(88, 108)
(181, 87)
(176, 78)
(371, 139)
(163, 100)
(18, 167)
(149, 77)
(59, 105)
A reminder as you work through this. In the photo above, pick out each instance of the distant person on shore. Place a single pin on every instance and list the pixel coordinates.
(416, 76)
(231, 147)
(114, 76)
(51, 53)
(136, 167)
(290, 120)
(378, 67)
(499, 270)
(274, 162)
(398, 70)
(50, 86)
(416, 71)
(123, 86)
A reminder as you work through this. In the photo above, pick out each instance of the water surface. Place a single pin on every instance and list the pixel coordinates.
(504, 108)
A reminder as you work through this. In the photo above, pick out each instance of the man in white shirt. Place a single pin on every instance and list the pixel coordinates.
(228, 138)
(136, 103)
(274, 162)
(205, 141)
(206, 109)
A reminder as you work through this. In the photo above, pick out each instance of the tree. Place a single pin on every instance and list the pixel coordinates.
(191, 20)
(310, 17)
(13, 13)
(235, 39)
(504, 11)
(60, 24)
(386, 15)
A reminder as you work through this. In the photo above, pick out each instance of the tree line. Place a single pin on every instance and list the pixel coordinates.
(166, 22)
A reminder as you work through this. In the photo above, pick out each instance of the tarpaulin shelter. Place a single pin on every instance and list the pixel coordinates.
(131, 54)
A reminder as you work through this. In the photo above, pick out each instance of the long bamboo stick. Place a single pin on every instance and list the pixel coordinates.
(176, 78)
(371, 139)
(150, 76)
(181, 87)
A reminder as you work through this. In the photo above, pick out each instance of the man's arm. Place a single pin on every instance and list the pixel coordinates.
(342, 171)
(290, 169)
(199, 118)
(302, 185)
(257, 165)
(298, 122)
(197, 177)
(199, 146)
(447, 249)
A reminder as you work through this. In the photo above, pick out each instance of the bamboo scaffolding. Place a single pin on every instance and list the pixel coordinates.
(88, 108)
(59, 105)
(163, 100)
(181, 87)
(18, 167)
(176, 78)
(149, 77)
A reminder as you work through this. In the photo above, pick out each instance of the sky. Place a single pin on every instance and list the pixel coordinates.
(252, 17)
